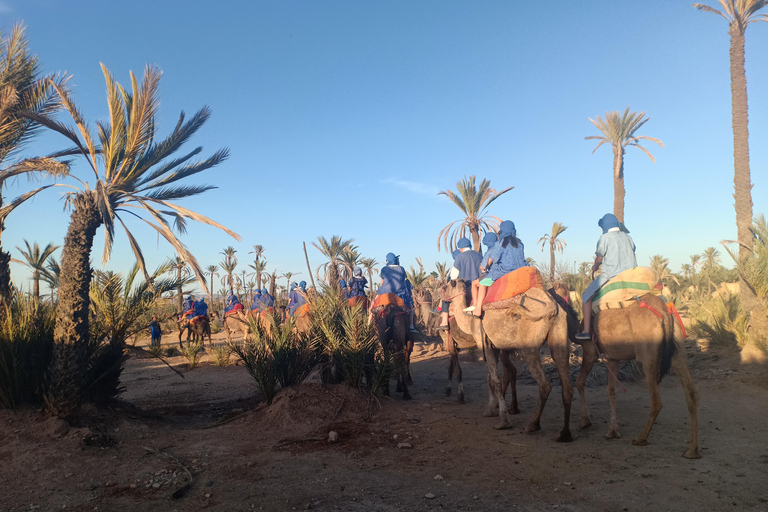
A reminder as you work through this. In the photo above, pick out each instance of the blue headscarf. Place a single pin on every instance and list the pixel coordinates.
(294, 286)
(230, 292)
(463, 243)
(507, 228)
(303, 285)
(392, 259)
(357, 272)
(490, 238)
(264, 291)
(342, 283)
(608, 221)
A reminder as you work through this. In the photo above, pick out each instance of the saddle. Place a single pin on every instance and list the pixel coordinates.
(198, 318)
(620, 292)
(508, 289)
(301, 311)
(238, 307)
(385, 299)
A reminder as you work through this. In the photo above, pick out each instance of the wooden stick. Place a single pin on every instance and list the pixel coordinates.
(308, 267)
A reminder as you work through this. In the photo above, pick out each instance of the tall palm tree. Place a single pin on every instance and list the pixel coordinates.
(349, 260)
(36, 260)
(555, 243)
(686, 269)
(332, 249)
(50, 276)
(619, 130)
(259, 266)
(660, 264)
(179, 267)
(369, 265)
(258, 250)
(472, 201)
(442, 270)
(213, 271)
(695, 260)
(22, 90)
(228, 265)
(711, 258)
(133, 172)
(739, 14)
(288, 276)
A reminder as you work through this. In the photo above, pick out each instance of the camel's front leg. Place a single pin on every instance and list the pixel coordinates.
(532, 359)
(588, 359)
(680, 367)
(651, 375)
(613, 372)
(510, 380)
(494, 386)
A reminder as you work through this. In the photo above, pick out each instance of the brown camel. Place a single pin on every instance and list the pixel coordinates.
(196, 331)
(236, 322)
(392, 328)
(657, 343)
(523, 328)
(423, 308)
(262, 318)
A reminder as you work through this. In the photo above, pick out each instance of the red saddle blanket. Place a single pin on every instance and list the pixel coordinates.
(238, 307)
(198, 318)
(302, 310)
(360, 299)
(516, 282)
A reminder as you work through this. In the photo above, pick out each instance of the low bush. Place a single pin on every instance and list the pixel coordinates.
(193, 353)
(221, 355)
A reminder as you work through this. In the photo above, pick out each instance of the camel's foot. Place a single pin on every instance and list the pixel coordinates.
(533, 427)
(640, 442)
(448, 391)
(490, 412)
(461, 397)
(503, 424)
(513, 410)
(692, 453)
(612, 434)
(565, 437)
(584, 423)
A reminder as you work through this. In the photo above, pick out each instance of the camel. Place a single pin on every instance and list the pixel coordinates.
(392, 327)
(423, 304)
(636, 332)
(196, 332)
(524, 330)
(236, 322)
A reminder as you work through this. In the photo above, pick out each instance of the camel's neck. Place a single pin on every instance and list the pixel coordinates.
(464, 322)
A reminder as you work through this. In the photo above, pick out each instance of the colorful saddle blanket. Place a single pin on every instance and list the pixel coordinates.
(198, 318)
(360, 299)
(386, 299)
(621, 291)
(238, 307)
(516, 282)
(302, 310)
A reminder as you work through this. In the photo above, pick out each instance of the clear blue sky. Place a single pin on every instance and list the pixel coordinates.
(347, 117)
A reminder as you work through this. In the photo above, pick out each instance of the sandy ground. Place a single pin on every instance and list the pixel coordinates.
(203, 442)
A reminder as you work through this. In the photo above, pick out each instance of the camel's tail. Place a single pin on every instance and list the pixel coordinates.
(668, 347)
(570, 313)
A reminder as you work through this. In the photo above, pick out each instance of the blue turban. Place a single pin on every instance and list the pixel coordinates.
(490, 238)
(230, 292)
(507, 228)
(609, 221)
(342, 283)
(302, 284)
(391, 258)
(294, 285)
(464, 243)
(357, 272)
(264, 291)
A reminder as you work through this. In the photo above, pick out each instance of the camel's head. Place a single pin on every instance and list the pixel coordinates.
(454, 289)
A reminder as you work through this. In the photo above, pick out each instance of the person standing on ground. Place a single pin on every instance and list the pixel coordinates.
(155, 333)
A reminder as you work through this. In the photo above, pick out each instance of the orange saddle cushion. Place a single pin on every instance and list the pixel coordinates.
(386, 299)
(516, 282)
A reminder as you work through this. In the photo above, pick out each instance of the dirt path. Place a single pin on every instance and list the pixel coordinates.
(278, 458)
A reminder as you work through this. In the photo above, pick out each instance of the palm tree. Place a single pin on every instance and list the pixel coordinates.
(349, 260)
(416, 278)
(22, 91)
(369, 264)
(619, 130)
(332, 249)
(695, 259)
(288, 276)
(134, 173)
(36, 260)
(660, 264)
(228, 265)
(472, 201)
(50, 276)
(259, 266)
(179, 267)
(211, 270)
(555, 243)
(739, 14)
(442, 270)
(686, 269)
(258, 250)
(711, 257)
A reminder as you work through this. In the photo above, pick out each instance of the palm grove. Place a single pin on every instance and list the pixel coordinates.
(136, 176)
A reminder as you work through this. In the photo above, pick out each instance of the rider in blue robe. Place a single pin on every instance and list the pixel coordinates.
(267, 301)
(256, 304)
(232, 302)
(357, 284)
(343, 290)
(201, 308)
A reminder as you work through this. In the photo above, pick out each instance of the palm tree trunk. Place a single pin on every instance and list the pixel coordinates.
(476, 239)
(179, 292)
(742, 181)
(5, 277)
(36, 285)
(618, 183)
(258, 280)
(551, 264)
(273, 284)
(370, 282)
(65, 376)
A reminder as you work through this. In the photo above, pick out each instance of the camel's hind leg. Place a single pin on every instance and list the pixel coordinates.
(495, 398)
(560, 350)
(613, 371)
(532, 359)
(651, 369)
(510, 379)
(680, 367)
(589, 357)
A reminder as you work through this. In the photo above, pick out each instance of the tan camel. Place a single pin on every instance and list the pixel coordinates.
(523, 329)
(236, 322)
(657, 343)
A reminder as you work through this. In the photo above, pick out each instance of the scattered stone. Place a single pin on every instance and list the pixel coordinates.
(438, 477)
(394, 436)
(429, 496)
(132, 486)
(156, 485)
(109, 483)
(207, 495)
(567, 483)
(333, 437)
(404, 446)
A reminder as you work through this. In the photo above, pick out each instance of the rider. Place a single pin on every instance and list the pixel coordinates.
(506, 255)
(616, 251)
(187, 306)
(267, 301)
(293, 296)
(343, 290)
(466, 266)
(256, 304)
(357, 284)
(300, 294)
(233, 303)
(200, 309)
(393, 280)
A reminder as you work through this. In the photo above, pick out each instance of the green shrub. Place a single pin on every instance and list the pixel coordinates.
(155, 350)
(720, 320)
(26, 343)
(193, 353)
(221, 355)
